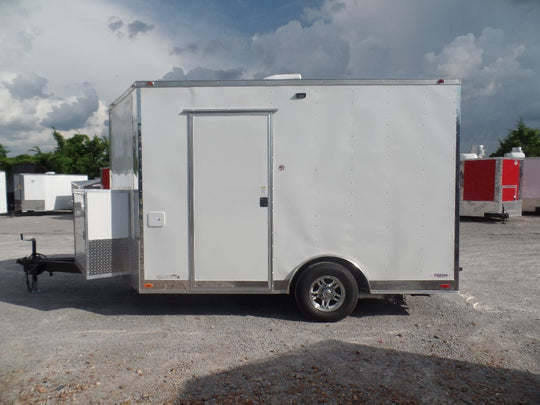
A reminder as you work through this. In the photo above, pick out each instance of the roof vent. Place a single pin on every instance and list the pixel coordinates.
(288, 76)
(517, 153)
(479, 150)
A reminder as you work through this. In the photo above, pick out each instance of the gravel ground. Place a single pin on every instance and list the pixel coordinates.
(83, 342)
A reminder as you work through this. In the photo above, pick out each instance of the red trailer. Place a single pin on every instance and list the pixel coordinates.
(491, 187)
(105, 178)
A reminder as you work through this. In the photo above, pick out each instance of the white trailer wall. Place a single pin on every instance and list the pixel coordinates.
(44, 192)
(366, 172)
(531, 184)
(101, 224)
(373, 182)
(3, 193)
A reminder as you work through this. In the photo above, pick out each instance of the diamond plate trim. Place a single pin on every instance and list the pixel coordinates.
(108, 257)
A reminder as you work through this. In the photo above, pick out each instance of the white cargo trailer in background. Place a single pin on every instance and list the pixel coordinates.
(44, 192)
(3, 193)
(531, 184)
(331, 190)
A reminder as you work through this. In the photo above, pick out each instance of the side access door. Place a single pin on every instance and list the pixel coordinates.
(230, 160)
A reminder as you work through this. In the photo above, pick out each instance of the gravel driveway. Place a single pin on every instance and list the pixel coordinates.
(81, 342)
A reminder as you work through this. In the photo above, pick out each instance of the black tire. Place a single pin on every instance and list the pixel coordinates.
(326, 292)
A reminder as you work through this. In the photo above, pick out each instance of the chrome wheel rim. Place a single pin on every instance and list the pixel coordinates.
(327, 293)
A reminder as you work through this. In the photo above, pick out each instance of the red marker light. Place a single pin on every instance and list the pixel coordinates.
(149, 83)
(440, 81)
(445, 286)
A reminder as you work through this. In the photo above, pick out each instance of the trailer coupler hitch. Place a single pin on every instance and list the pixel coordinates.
(33, 266)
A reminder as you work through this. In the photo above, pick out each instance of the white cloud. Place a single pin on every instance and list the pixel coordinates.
(19, 120)
(497, 87)
(201, 73)
(27, 121)
(17, 116)
(47, 49)
(315, 51)
(27, 85)
(74, 112)
(72, 42)
(115, 25)
(492, 46)
(460, 58)
(137, 27)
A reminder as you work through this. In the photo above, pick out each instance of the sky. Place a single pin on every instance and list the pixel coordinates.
(62, 62)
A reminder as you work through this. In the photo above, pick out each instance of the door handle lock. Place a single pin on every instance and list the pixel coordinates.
(263, 202)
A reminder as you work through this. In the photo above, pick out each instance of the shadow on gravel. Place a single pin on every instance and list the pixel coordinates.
(114, 296)
(60, 214)
(483, 220)
(334, 372)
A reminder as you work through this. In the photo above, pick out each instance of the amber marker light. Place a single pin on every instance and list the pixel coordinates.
(148, 285)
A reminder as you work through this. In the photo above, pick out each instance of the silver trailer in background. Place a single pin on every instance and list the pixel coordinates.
(331, 190)
(44, 192)
(531, 184)
(3, 193)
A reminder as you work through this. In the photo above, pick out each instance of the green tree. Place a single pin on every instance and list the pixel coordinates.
(3, 151)
(7, 162)
(39, 157)
(527, 138)
(79, 154)
(3, 158)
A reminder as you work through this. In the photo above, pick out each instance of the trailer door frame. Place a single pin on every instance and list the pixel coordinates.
(201, 277)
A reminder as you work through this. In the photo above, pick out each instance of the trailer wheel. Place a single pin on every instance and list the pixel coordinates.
(326, 292)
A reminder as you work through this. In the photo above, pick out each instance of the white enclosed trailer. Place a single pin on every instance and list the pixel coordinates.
(44, 192)
(327, 189)
(531, 184)
(3, 193)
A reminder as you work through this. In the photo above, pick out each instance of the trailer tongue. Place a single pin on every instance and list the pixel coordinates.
(38, 263)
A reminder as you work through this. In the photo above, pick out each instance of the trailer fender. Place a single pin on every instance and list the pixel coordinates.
(353, 268)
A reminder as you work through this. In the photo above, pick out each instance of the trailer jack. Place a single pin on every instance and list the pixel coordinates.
(501, 216)
(396, 299)
(38, 263)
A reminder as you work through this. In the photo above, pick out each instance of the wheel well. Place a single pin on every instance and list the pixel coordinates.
(363, 285)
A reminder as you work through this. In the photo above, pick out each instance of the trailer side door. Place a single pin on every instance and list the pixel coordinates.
(230, 205)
